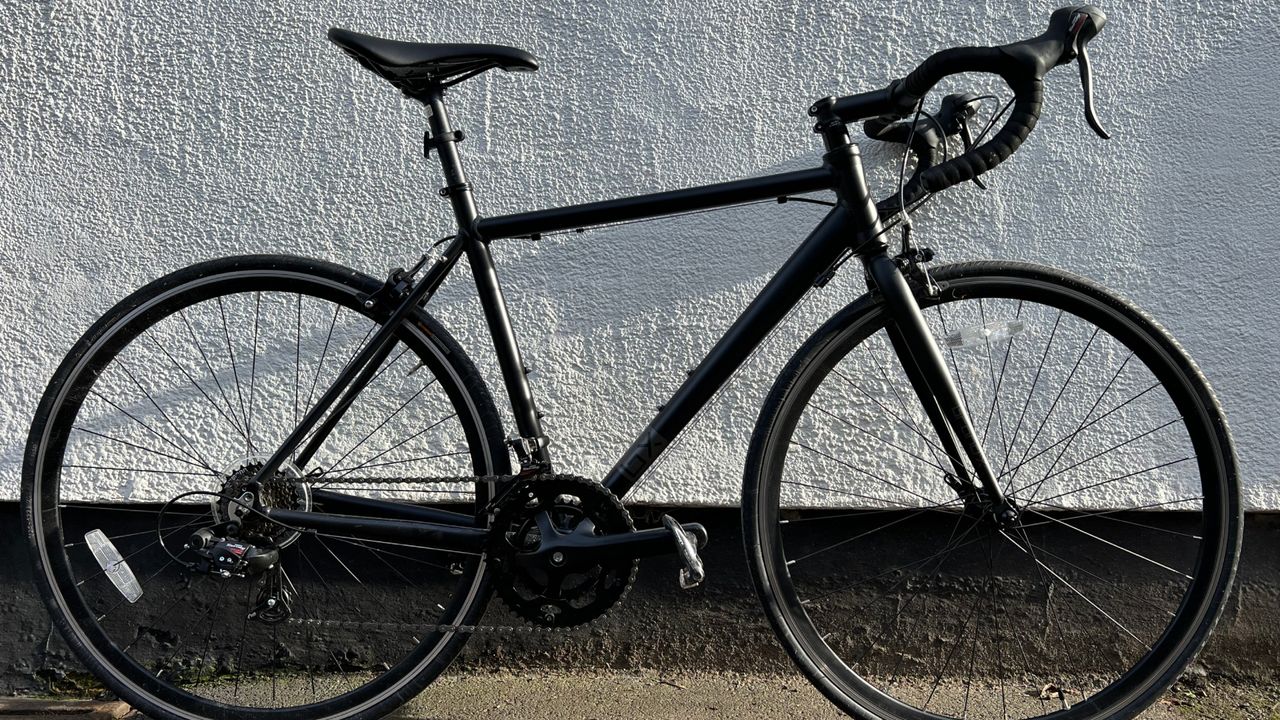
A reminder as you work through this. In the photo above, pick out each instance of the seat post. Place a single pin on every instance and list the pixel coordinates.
(444, 140)
(529, 442)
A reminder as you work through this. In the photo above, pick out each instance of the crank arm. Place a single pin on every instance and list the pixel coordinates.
(584, 549)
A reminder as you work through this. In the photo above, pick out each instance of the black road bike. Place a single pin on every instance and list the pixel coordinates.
(270, 487)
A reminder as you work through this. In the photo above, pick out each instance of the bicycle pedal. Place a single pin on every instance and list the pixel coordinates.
(688, 539)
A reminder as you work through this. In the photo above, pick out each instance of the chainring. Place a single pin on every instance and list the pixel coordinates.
(551, 597)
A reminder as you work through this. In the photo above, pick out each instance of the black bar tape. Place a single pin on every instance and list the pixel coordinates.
(1022, 78)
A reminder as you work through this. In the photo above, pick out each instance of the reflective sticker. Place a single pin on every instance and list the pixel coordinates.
(113, 565)
(978, 335)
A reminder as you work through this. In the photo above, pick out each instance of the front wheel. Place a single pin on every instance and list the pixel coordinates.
(891, 585)
(160, 417)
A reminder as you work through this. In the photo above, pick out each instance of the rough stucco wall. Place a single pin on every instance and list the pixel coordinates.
(143, 137)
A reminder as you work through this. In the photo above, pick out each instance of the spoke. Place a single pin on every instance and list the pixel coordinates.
(1072, 436)
(323, 355)
(136, 470)
(297, 359)
(136, 446)
(234, 425)
(1054, 405)
(114, 508)
(384, 422)
(253, 363)
(957, 544)
(909, 425)
(306, 613)
(1113, 448)
(853, 513)
(325, 545)
(1088, 425)
(964, 395)
(937, 680)
(427, 548)
(244, 633)
(208, 639)
(401, 462)
(1118, 478)
(1022, 649)
(337, 663)
(177, 645)
(148, 546)
(949, 547)
(1117, 546)
(869, 474)
(876, 529)
(364, 544)
(235, 373)
(366, 488)
(320, 425)
(1017, 428)
(376, 554)
(1141, 600)
(999, 383)
(193, 454)
(143, 585)
(398, 445)
(180, 599)
(1109, 515)
(244, 432)
(880, 500)
(275, 643)
(995, 621)
(868, 433)
(1073, 589)
(917, 621)
(113, 538)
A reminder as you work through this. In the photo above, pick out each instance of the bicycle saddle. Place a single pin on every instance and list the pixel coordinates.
(414, 67)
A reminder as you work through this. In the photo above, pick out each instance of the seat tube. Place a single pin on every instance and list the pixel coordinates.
(530, 444)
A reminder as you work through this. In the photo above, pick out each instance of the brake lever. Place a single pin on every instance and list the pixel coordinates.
(1086, 23)
(1086, 83)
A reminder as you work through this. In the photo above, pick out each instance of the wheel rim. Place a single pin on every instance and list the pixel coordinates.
(884, 680)
(204, 695)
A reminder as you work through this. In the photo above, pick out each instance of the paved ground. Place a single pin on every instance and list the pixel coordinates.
(652, 695)
(655, 695)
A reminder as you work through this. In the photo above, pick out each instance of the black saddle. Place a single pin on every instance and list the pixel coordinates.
(414, 68)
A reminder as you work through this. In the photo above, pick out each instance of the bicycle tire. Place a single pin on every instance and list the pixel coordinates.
(455, 383)
(860, 685)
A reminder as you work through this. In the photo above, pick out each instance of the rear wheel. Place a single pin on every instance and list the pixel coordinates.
(899, 596)
(187, 386)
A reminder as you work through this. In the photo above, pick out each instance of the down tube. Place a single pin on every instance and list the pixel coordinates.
(796, 277)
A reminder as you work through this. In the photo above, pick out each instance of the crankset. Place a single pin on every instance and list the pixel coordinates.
(543, 582)
(566, 551)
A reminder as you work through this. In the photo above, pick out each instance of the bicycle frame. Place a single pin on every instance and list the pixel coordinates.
(852, 227)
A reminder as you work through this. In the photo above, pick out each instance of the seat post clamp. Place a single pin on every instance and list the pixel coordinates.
(430, 141)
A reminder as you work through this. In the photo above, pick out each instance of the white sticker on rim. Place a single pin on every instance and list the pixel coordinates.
(113, 565)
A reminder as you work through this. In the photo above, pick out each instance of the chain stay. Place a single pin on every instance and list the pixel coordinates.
(527, 629)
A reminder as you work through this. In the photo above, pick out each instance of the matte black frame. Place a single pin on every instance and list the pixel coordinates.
(852, 227)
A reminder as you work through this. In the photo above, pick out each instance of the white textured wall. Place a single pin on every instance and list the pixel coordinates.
(140, 137)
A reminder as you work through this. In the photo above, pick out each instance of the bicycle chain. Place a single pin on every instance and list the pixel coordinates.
(526, 629)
